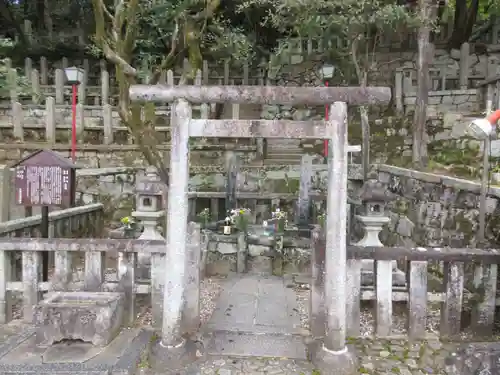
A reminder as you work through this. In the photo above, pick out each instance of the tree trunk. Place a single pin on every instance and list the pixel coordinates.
(365, 137)
(465, 18)
(365, 124)
(419, 149)
(47, 18)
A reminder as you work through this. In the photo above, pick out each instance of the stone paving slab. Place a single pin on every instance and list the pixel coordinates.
(256, 316)
(250, 345)
(260, 304)
(19, 355)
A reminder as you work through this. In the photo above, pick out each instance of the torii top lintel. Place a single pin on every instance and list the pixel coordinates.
(261, 94)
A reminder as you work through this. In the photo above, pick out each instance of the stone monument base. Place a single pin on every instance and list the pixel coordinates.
(19, 354)
(342, 362)
(174, 358)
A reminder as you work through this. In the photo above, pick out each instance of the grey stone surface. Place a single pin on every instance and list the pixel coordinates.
(436, 210)
(261, 304)
(256, 316)
(344, 362)
(241, 366)
(88, 316)
(475, 359)
(20, 355)
(163, 357)
(253, 345)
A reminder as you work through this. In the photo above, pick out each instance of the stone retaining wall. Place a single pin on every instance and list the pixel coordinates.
(220, 255)
(435, 210)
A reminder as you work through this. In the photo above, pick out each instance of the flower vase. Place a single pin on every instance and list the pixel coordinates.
(280, 226)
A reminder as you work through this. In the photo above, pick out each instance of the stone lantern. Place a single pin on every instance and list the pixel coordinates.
(374, 197)
(149, 209)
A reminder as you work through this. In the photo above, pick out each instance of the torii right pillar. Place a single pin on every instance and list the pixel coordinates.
(333, 355)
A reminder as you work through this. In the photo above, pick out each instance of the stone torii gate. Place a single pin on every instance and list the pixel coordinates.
(333, 353)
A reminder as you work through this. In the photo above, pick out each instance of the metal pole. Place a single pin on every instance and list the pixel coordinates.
(325, 142)
(73, 125)
(484, 190)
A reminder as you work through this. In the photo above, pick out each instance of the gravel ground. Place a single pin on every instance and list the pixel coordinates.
(210, 289)
(367, 315)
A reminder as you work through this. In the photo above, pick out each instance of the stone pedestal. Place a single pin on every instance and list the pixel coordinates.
(150, 221)
(373, 225)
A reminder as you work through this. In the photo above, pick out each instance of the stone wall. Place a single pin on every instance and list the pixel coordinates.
(128, 155)
(468, 101)
(220, 255)
(435, 210)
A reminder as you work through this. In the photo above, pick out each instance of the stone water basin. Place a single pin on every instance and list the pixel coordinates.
(94, 317)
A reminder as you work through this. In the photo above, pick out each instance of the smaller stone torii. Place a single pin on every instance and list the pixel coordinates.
(333, 353)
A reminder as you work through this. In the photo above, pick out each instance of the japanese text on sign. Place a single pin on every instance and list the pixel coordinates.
(43, 185)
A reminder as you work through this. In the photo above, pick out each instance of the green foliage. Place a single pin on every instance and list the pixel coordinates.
(341, 24)
(460, 157)
(486, 8)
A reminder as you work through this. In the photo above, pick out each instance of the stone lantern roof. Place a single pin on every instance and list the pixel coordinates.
(373, 190)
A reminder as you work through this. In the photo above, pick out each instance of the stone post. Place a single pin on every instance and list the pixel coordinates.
(17, 121)
(173, 300)
(104, 87)
(317, 317)
(80, 122)
(464, 66)
(12, 83)
(334, 354)
(5, 193)
(398, 90)
(107, 119)
(374, 198)
(28, 66)
(303, 203)
(148, 211)
(44, 71)
(191, 313)
(50, 119)
(82, 89)
(35, 86)
(241, 255)
(232, 177)
(59, 84)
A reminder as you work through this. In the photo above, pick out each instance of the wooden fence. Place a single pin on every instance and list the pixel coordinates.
(417, 296)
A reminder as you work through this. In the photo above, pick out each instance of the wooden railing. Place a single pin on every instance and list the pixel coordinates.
(416, 295)
(66, 277)
(80, 221)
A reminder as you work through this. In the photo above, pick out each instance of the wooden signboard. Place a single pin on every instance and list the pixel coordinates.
(45, 178)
